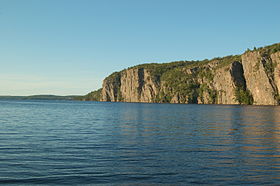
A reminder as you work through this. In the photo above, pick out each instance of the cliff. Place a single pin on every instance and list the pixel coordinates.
(250, 78)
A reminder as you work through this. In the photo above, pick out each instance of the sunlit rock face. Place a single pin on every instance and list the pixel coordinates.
(262, 75)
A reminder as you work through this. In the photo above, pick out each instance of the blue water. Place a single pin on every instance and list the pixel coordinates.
(65, 142)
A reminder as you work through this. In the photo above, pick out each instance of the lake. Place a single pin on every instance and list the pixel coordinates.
(68, 142)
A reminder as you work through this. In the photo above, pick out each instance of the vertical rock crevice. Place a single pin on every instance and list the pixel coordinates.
(237, 74)
(140, 82)
(275, 60)
(269, 68)
(242, 94)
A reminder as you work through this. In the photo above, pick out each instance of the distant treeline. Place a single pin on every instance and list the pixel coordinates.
(40, 97)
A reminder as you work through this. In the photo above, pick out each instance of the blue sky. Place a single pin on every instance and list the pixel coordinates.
(68, 47)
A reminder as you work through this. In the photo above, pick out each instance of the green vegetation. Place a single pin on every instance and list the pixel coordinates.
(225, 61)
(205, 89)
(163, 98)
(12, 97)
(268, 50)
(183, 80)
(114, 77)
(179, 82)
(265, 52)
(92, 96)
(207, 74)
(243, 96)
(158, 69)
(269, 66)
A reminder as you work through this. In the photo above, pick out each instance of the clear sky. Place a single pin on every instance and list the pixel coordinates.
(68, 47)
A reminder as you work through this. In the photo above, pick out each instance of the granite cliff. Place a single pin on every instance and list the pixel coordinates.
(250, 78)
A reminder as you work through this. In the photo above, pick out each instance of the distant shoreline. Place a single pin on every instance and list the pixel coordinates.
(41, 97)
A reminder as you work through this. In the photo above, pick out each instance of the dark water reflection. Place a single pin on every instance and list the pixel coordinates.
(48, 142)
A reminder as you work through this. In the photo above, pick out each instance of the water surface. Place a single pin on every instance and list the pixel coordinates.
(65, 142)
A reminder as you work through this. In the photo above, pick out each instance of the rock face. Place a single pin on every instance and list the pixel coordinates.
(137, 86)
(132, 85)
(276, 62)
(226, 81)
(110, 88)
(250, 78)
(259, 82)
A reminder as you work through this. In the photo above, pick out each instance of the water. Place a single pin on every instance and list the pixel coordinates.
(64, 142)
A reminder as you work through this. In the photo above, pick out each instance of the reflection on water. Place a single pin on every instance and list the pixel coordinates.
(138, 144)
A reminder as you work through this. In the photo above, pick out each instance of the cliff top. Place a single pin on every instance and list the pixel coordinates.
(158, 69)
